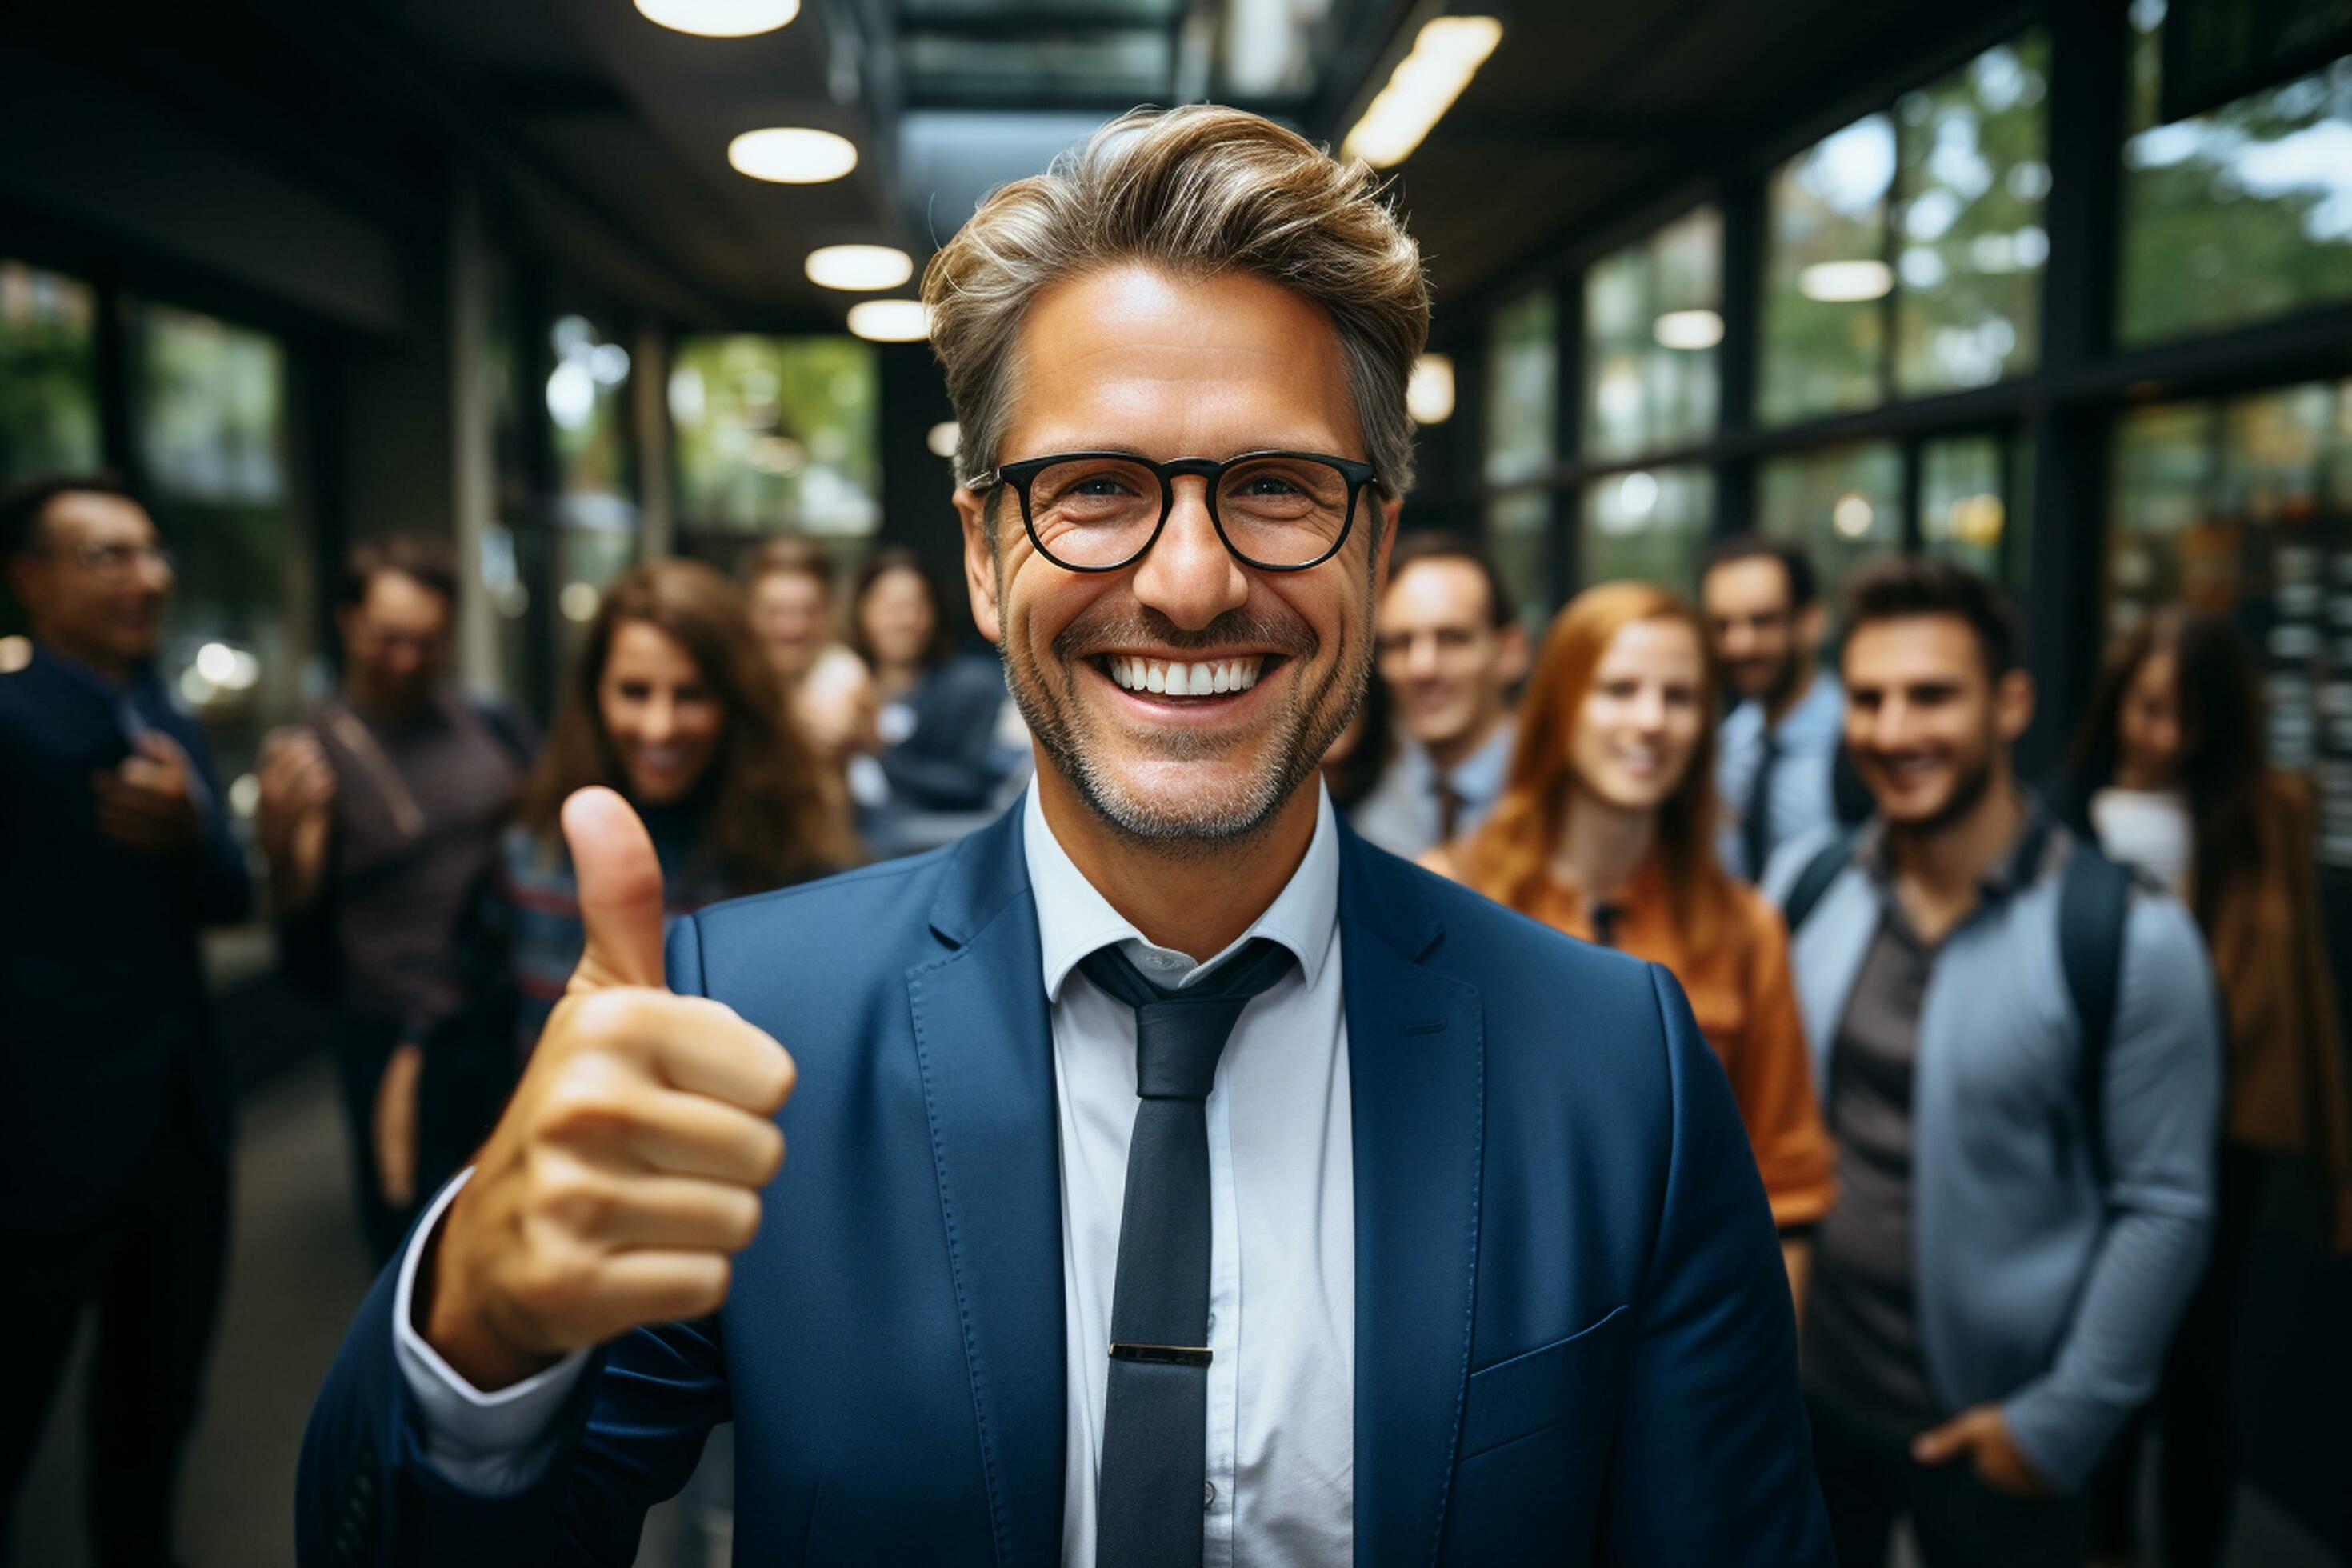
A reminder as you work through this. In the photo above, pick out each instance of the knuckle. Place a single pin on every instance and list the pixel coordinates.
(743, 1220)
(768, 1150)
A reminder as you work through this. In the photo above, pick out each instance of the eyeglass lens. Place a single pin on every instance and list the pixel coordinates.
(1101, 511)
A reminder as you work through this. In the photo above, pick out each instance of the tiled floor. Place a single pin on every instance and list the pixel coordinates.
(297, 1273)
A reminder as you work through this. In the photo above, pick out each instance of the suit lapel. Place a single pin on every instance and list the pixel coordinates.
(1416, 1065)
(985, 1044)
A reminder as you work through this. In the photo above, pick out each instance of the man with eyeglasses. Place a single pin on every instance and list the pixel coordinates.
(114, 1096)
(1174, 1178)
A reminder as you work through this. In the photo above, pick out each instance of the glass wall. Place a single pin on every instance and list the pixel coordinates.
(2242, 507)
(1522, 388)
(1906, 252)
(1973, 503)
(1844, 504)
(210, 405)
(48, 374)
(1653, 316)
(1650, 524)
(1519, 533)
(778, 435)
(2236, 216)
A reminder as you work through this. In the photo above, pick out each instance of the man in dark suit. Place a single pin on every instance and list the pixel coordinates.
(114, 1103)
(1174, 1176)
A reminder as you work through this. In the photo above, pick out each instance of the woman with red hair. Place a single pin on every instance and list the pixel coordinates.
(1606, 829)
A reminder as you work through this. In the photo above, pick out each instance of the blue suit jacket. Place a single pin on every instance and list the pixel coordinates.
(1573, 1339)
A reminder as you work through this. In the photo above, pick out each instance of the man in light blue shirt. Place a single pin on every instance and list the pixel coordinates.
(1776, 755)
(1450, 651)
(2020, 1058)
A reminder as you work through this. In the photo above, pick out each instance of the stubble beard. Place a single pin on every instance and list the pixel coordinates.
(1966, 794)
(1050, 702)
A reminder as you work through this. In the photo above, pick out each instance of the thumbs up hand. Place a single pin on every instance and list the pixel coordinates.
(626, 1169)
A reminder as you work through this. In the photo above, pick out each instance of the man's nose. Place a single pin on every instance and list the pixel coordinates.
(1421, 657)
(1190, 576)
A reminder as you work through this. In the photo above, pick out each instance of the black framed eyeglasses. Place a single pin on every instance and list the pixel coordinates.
(1100, 511)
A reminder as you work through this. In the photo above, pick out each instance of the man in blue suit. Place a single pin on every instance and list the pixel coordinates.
(1174, 1177)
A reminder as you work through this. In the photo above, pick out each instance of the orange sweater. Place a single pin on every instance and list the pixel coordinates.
(1746, 1005)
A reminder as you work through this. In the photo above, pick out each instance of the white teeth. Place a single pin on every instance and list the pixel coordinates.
(1177, 677)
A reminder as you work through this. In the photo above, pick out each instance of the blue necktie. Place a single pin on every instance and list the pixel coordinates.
(1153, 1489)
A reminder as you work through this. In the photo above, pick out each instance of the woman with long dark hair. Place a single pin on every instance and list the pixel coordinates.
(2169, 771)
(1606, 829)
(674, 703)
(934, 755)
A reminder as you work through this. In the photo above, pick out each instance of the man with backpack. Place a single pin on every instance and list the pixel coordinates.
(2018, 1052)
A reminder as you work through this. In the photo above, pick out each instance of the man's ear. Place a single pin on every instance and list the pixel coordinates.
(2012, 698)
(979, 562)
(1813, 628)
(1512, 659)
(1388, 513)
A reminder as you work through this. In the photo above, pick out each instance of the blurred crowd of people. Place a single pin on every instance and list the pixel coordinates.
(2016, 1063)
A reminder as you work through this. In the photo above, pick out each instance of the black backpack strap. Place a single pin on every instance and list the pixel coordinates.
(1814, 880)
(2093, 904)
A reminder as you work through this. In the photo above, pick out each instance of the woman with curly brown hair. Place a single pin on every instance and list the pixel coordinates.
(1606, 829)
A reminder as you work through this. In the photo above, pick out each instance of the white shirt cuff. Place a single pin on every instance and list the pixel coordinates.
(491, 1444)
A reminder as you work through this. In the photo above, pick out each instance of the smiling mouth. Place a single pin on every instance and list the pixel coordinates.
(1184, 677)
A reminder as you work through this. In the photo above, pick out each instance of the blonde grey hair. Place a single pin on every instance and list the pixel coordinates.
(1195, 191)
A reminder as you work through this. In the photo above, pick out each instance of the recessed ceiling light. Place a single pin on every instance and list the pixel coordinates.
(859, 267)
(890, 321)
(1845, 282)
(788, 156)
(721, 18)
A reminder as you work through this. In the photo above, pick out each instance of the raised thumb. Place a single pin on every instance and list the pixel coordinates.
(620, 886)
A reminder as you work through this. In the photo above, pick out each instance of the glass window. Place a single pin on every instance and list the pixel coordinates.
(1519, 535)
(1844, 504)
(1649, 525)
(1652, 315)
(1974, 172)
(588, 405)
(48, 374)
(2235, 216)
(1929, 221)
(1825, 325)
(778, 434)
(2238, 507)
(1972, 491)
(210, 410)
(1522, 387)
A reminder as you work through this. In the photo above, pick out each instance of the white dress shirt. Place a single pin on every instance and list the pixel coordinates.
(1282, 1272)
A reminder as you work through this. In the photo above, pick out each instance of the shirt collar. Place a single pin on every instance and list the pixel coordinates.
(1074, 920)
(1478, 777)
(2015, 869)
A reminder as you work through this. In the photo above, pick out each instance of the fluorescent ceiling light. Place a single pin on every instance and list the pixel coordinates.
(890, 321)
(788, 156)
(944, 435)
(1445, 54)
(721, 18)
(1845, 282)
(1429, 393)
(1688, 329)
(859, 267)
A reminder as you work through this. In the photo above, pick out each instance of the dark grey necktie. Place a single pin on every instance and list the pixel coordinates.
(1756, 821)
(1154, 1487)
